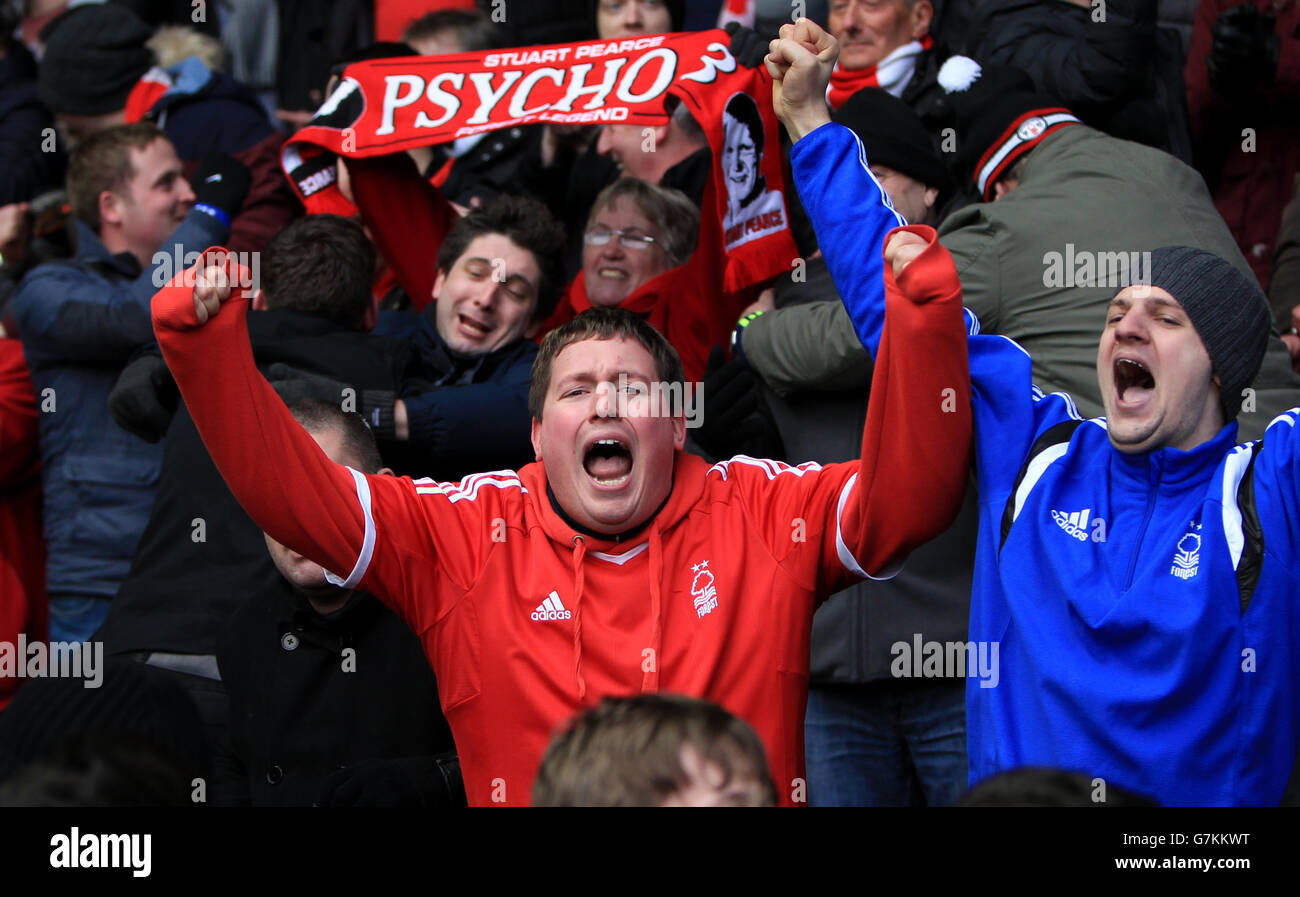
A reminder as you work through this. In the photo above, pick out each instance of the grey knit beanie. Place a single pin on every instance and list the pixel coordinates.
(1226, 307)
(94, 55)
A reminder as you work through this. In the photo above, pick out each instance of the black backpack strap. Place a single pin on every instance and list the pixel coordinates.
(1055, 435)
(1252, 553)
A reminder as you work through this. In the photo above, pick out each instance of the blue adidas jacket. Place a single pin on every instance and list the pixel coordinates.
(1148, 633)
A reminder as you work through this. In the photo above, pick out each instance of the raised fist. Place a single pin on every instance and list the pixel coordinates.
(902, 248)
(211, 288)
(800, 63)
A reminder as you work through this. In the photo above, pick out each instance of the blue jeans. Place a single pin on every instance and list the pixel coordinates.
(76, 618)
(886, 744)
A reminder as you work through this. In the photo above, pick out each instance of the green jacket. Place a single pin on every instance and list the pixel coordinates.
(1087, 206)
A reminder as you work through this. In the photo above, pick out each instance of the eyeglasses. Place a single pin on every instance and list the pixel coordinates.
(629, 240)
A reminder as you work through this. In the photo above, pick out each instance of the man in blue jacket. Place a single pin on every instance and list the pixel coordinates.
(79, 321)
(466, 409)
(1136, 571)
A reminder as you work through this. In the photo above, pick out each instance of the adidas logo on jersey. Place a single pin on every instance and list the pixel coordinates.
(552, 609)
(1075, 524)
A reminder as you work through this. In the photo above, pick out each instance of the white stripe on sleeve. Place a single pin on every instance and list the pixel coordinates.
(367, 543)
(846, 557)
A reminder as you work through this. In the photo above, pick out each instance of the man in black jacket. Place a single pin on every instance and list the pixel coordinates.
(331, 699)
(200, 555)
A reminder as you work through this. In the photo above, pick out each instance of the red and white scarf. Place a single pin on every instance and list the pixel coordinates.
(390, 105)
(892, 73)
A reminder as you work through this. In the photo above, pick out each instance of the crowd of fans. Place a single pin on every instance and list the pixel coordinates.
(417, 350)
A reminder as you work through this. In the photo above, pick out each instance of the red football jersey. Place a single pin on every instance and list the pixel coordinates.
(526, 621)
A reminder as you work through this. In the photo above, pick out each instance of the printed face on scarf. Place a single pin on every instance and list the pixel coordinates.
(613, 272)
(632, 18)
(869, 30)
(1157, 381)
(608, 451)
(739, 160)
(488, 297)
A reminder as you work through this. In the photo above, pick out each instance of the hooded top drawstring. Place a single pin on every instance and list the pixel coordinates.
(579, 552)
(650, 678)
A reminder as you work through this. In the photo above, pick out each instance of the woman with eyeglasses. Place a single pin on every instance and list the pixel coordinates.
(639, 253)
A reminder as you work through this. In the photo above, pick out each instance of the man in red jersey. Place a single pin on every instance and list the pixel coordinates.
(617, 563)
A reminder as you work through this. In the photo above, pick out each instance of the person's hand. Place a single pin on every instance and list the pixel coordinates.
(736, 419)
(222, 182)
(211, 288)
(902, 248)
(144, 398)
(800, 62)
(746, 45)
(1244, 51)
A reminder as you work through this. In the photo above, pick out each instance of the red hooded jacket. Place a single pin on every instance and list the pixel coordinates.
(527, 621)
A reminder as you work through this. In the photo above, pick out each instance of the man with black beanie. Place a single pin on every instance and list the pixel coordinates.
(902, 153)
(1135, 584)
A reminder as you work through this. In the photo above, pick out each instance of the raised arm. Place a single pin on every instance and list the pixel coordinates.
(414, 545)
(849, 210)
(288, 486)
(408, 217)
(916, 445)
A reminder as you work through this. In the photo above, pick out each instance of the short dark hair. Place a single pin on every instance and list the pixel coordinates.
(321, 265)
(528, 224)
(317, 415)
(627, 752)
(743, 109)
(103, 162)
(603, 323)
(474, 30)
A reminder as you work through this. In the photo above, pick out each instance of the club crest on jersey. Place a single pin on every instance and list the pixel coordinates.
(1187, 559)
(703, 590)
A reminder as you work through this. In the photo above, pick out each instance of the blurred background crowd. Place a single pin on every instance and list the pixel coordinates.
(133, 133)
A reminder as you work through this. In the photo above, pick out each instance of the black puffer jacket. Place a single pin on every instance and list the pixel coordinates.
(1119, 75)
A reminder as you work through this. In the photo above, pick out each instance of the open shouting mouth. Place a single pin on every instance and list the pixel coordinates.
(1134, 383)
(608, 461)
